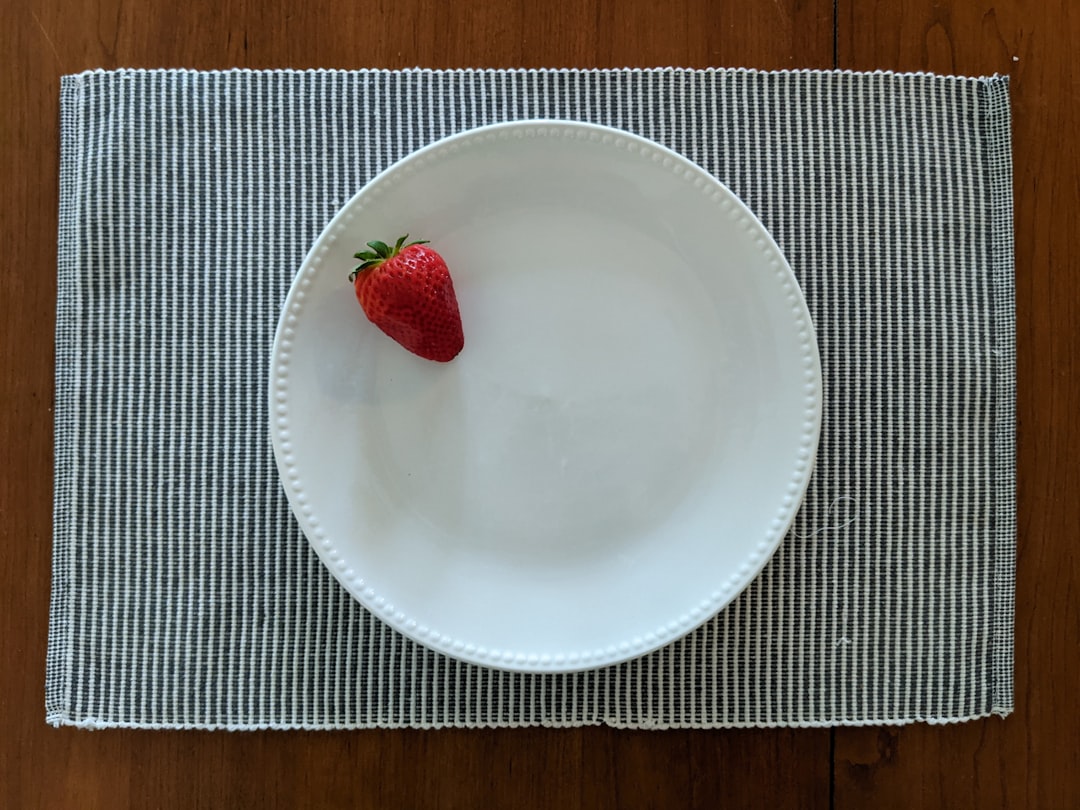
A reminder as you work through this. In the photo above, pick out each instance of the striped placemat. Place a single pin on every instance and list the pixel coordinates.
(185, 596)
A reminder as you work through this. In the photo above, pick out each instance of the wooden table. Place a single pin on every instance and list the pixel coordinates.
(1031, 759)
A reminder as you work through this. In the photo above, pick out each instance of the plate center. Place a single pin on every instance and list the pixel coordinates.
(585, 402)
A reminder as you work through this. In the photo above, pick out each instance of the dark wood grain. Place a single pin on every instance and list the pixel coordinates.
(58, 768)
(1032, 758)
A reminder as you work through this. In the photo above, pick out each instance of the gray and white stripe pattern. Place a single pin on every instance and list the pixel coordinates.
(184, 594)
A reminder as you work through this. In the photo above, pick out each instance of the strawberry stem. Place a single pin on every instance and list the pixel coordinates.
(379, 253)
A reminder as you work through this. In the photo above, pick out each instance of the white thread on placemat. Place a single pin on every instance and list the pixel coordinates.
(847, 522)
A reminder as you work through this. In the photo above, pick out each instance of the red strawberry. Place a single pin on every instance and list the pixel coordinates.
(407, 292)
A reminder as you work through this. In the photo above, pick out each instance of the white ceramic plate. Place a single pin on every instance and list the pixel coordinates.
(621, 444)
